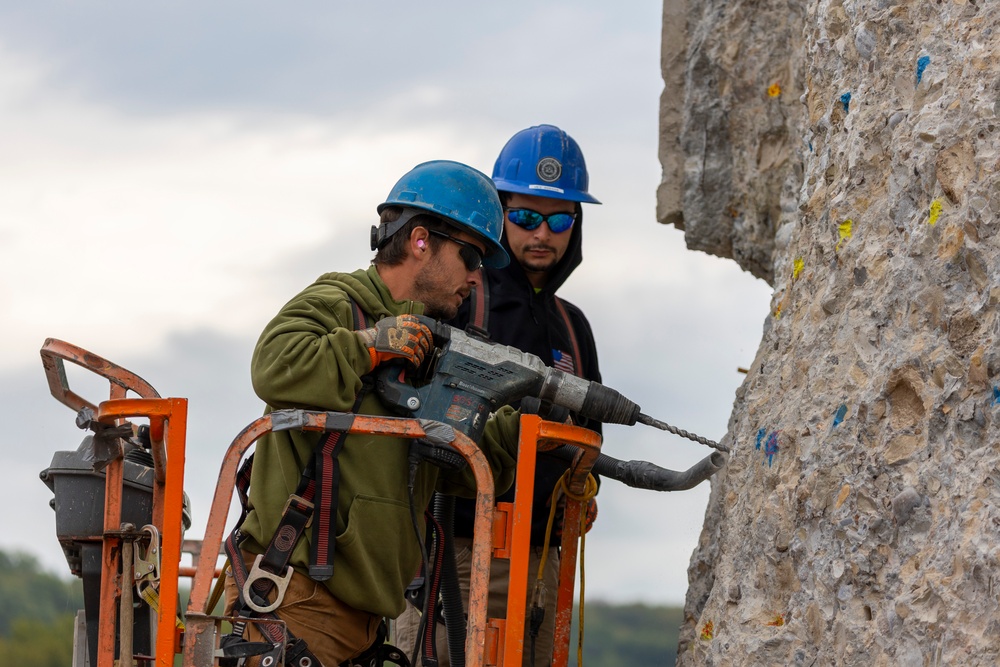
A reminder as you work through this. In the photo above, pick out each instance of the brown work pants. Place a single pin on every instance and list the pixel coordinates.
(332, 630)
(405, 628)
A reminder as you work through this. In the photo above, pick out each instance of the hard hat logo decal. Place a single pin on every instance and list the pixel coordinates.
(549, 169)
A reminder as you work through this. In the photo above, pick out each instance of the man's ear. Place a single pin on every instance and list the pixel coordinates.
(419, 242)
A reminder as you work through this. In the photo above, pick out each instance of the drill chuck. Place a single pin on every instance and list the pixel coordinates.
(609, 406)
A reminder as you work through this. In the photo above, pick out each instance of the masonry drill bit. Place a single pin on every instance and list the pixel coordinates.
(663, 426)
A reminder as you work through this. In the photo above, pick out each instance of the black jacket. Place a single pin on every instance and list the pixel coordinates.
(531, 321)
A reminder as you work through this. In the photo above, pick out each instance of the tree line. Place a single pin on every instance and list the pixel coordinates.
(38, 610)
(36, 613)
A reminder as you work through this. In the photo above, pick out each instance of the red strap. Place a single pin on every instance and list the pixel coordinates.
(479, 302)
(577, 359)
(327, 473)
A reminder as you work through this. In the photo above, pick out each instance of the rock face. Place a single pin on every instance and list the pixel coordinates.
(847, 152)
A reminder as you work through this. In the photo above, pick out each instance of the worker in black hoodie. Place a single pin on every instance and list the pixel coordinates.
(542, 180)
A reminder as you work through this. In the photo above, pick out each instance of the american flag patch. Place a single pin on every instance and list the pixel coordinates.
(563, 361)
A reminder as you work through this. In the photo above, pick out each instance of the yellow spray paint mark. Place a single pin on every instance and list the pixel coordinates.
(707, 631)
(774, 89)
(844, 231)
(777, 312)
(777, 621)
(935, 211)
(797, 267)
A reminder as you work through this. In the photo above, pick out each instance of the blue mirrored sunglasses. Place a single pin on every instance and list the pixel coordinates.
(470, 254)
(525, 218)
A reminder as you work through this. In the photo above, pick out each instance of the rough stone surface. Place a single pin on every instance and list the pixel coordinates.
(730, 134)
(858, 519)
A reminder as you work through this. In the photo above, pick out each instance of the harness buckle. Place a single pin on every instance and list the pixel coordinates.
(301, 503)
(280, 582)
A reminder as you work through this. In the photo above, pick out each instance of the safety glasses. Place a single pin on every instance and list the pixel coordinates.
(470, 254)
(525, 218)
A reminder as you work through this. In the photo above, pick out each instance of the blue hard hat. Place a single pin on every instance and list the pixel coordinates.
(543, 161)
(455, 192)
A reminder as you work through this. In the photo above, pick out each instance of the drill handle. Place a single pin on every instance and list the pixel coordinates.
(394, 391)
(441, 331)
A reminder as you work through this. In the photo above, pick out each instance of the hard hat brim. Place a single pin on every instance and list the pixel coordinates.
(548, 191)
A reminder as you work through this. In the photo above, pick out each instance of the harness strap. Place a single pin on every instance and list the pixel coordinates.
(479, 301)
(314, 503)
(324, 523)
(577, 359)
(328, 474)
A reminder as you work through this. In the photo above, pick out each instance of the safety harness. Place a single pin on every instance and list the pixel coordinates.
(314, 504)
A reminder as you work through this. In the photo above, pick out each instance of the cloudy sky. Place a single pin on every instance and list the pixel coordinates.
(171, 173)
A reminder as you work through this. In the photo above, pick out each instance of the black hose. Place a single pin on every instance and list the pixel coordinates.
(451, 593)
(646, 475)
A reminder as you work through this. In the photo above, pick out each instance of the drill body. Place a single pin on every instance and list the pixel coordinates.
(468, 376)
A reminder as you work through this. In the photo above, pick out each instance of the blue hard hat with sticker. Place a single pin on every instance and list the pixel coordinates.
(543, 161)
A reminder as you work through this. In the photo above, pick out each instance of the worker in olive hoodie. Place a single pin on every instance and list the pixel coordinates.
(440, 223)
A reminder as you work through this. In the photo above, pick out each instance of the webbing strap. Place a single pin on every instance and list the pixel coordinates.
(577, 359)
(312, 501)
(324, 515)
(479, 301)
(327, 474)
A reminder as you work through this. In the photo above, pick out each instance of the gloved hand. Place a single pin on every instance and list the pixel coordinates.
(401, 337)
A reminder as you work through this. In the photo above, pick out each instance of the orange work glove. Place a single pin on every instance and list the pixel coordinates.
(401, 337)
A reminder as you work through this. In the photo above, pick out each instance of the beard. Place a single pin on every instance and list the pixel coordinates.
(538, 265)
(432, 290)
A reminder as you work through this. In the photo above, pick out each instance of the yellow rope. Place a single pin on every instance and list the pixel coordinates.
(588, 494)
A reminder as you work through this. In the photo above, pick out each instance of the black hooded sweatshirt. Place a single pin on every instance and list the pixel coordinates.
(532, 322)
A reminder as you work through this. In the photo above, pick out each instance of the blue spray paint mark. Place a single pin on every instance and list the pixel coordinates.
(922, 63)
(771, 447)
(845, 101)
(839, 417)
(760, 436)
(996, 401)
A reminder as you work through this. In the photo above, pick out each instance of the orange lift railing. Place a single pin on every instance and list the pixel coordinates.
(199, 643)
(501, 531)
(168, 426)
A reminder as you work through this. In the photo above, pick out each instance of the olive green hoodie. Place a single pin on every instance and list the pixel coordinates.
(310, 357)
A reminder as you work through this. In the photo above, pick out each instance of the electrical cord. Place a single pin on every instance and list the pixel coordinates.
(562, 488)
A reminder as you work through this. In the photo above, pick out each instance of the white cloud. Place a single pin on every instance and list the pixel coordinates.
(120, 229)
(165, 241)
